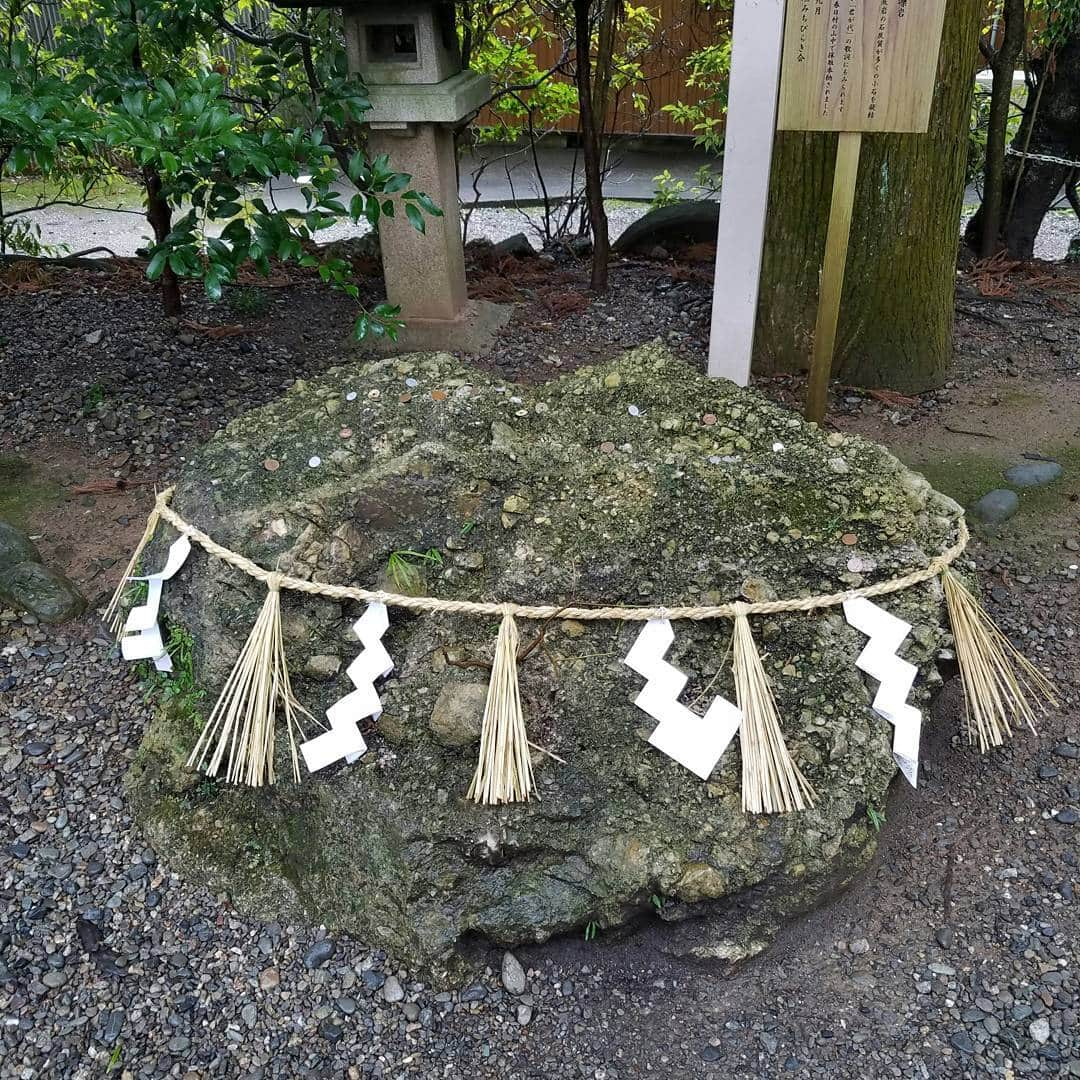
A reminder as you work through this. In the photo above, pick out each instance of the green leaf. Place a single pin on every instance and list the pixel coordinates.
(156, 265)
(416, 219)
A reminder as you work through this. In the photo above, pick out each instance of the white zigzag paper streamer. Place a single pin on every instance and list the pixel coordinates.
(695, 742)
(344, 740)
(895, 676)
(141, 636)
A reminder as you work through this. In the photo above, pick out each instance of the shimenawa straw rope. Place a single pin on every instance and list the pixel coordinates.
(540, 612)
(771, 781)
(999, 682)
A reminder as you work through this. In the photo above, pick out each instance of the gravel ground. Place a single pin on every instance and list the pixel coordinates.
(954, 955)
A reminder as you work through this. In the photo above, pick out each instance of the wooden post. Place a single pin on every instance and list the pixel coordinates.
(757, 36)
(831, 288)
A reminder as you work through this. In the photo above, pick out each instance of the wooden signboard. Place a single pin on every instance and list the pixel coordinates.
(859, 65)
(852, 66)
(847, 66)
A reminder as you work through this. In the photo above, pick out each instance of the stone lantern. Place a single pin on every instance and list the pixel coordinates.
(407, 53)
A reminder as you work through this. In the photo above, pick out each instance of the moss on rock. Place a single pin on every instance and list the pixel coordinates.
(635, 482)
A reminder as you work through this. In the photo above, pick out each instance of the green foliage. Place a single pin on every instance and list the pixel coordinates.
(247, 301)
(875, 817)
(708, 70)
(116, 1059)
(94, 396)
(592, 928)
(177, 689)
(670, 189)
(657, 902)
(140, 82)
(404, 567)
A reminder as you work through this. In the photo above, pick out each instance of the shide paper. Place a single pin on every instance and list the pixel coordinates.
(695, 742)
(141, 636)
(343, 740)
(895, 676)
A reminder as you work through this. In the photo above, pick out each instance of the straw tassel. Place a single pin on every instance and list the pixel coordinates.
(771, 781)
(504, 772)
(112, 615)
(999, 682)
(241, 727)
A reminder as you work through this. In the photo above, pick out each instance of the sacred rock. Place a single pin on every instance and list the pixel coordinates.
(635, 482)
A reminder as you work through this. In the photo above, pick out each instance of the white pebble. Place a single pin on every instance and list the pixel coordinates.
(315, 461)
(633, 410)
(351, 395)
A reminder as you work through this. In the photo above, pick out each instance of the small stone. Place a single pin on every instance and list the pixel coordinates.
(345, 433)
(524, 1014)
(996, 506)
(849, 539)
(473, 993)
(269, 979)
(513, 974)
(392, 990)
(1033, 474)
(458, 713)
(314, 461)
(709, 419)
(1068, 816)
(613, 380)
(859, 946)
(946, 936)
(411, 1011)
(93, 337)
(319, 953)
(516, 504)
(372, 980)
(438, 395)
(322, 666)
(1039, 1029)
(607, 448)
(249, 1014)
(271, 464)
(962, 1041)
(330, 1031)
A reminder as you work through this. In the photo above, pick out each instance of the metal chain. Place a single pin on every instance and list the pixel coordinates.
(1048, 158)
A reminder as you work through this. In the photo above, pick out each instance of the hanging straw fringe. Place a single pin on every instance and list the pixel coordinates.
(241, 727)
(771, 781)
(999, 682)
(112, 616)
(504, 772)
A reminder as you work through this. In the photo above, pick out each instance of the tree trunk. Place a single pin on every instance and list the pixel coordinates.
(590, 146)
(159, 215)
(1002, 64)
(896, 314)
(1051, 125)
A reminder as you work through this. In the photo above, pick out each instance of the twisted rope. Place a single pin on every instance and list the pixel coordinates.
(276, 580)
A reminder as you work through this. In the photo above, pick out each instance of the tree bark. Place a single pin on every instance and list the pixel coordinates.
(1002, 64)
(590, 140)
(1052, 126)
(896, 314)
(159, 215)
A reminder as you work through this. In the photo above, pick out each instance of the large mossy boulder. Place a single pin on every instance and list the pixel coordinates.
(636, 482)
